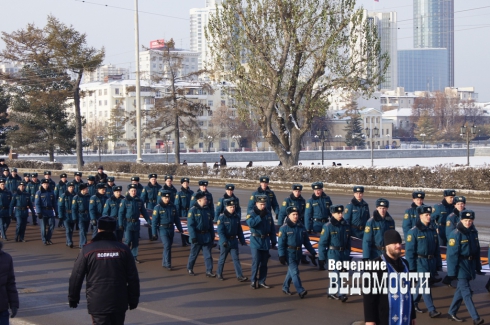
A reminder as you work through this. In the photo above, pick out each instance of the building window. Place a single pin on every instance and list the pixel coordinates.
(105, 91)
(116, 91)
(105, 113)
(117, 101)
(210, 113)
(200, 145)
(201, 123)
(105, 102)
(210, 103)
(100, 103)
(223, 103)
(100, 92)
(147, 146)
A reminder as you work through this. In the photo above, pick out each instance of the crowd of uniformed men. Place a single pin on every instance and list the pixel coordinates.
(78, 205)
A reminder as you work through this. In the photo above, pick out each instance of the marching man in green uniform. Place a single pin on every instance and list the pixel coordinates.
(65, 203)
(453, 219)
(463, 263)
(220, 208)
(201, 233)
(335, 242)
(230, 232)
(111, 209)
(182, 203)
(164, 218)
(356, 213)
(381, 221)
(130, 209)
(317, 212)
(410, 217)
(292, 236)
(150, 195)
(263, 189)
(262, 238)
(80, 211)
(19, 207)
(423, 255)
(441, 212)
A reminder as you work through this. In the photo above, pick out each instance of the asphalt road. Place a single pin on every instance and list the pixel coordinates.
(172, 297)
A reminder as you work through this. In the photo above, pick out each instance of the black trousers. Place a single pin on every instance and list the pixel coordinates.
(109, 319)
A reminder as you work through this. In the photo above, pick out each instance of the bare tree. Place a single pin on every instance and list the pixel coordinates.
(285, 57)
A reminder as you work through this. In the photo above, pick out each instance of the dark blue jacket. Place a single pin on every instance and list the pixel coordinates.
(96, 206)
(12, 182)
(129, 212)
(171, 189)
(422, 249)
(200, 224)
(65, 205)
(21, 202)
(32, 189)
(111, 206)
(209, 196)
(220, 208)
(80, 208)
(150, 196)
(292, 201)
(230, 229)
(164, 218)
(373, 240)
(463, 252)
(262, 229)
(291, 239)
(45, 202)
(357, 214)
(92, 189)
(77, 186)
(183, 201)
(317, 212)
(139, 190)
(335, 242)
(5, 198)
(409, 219)
(60, 189)
(452, 221)
(271, 204)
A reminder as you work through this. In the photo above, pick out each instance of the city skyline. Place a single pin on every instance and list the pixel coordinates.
(111, 24)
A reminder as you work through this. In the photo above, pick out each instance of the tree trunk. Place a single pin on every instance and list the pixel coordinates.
(51, 154)
(177, 140)
(78, 122)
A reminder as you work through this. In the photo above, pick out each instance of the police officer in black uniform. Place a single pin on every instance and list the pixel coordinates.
(182, 203)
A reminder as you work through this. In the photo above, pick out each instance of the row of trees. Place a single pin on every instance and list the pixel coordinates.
(282, 59)
(54, 60)
(440, 115)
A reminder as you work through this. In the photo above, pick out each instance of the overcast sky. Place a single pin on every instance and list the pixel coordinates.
(110, 23)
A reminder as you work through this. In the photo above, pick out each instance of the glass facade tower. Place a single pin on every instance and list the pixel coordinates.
(433, 27)
(423, 69)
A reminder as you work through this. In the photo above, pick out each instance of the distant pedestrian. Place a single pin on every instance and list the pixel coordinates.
(313, 164)
(100, 175)
(9, 297)
(300, 164)
(333, 164)
(184, 163)
(280, 163)
(204, 164)
(112, 277)
(222, 161)
(250, 164)
(216, 165)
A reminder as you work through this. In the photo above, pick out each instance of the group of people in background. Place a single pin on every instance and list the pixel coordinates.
(79, 206)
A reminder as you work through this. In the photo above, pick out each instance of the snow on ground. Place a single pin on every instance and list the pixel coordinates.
(394, 162)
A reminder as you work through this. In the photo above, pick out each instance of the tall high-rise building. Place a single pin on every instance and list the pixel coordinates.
(423, 69)
(387, 33)
(433, 27)
(199, 18)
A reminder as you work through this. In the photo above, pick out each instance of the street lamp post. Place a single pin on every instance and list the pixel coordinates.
(322, 135)
(371, 133)
(423, 135)
(100, 139)
(466, 131)
(167, 142)
(237, 139)
(210, 139)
